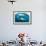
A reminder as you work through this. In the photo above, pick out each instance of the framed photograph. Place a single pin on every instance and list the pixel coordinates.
(22, 17)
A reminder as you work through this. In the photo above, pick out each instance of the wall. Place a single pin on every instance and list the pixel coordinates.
(9, 31)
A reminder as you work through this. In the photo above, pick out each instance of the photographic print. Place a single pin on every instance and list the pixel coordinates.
(22, 17)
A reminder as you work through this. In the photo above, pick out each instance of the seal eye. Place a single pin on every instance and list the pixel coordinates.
(21, 17)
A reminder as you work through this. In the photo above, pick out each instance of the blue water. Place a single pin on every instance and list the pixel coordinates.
(21, 17)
